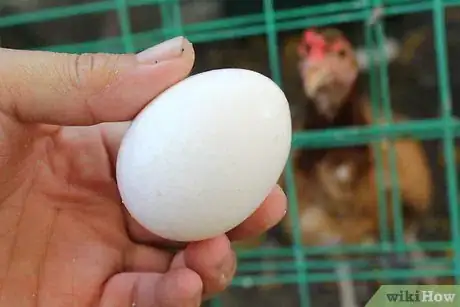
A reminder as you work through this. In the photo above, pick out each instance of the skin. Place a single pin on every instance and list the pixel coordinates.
(65, 237)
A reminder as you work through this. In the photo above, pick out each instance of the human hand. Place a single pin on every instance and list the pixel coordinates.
(65, 237)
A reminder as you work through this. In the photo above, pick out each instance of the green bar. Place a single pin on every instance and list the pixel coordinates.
(283, 266)
(449, 149)
(388, 116)
(125, 25)
(395, 2)
(427, 129)
(171, 19)
(56, 13)
(320, 21)
(272, 41)
(375, 98)
(302, 277)
(408, 8)
(359, 249)
(166, 21)
(332, 277)
(329, 8)
(177, 18)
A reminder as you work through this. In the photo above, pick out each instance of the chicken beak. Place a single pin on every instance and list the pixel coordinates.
(316, 80)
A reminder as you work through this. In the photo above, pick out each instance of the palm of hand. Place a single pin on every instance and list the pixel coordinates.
(76, 238)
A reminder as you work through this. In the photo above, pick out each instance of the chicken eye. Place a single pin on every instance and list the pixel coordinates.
(342, 53)
(304, 50)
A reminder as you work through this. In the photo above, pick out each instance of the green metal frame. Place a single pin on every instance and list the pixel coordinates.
(270, 22)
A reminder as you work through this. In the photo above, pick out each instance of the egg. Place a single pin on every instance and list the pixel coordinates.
(204, 154)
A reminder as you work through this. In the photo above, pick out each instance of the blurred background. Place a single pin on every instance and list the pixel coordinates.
(237, 33)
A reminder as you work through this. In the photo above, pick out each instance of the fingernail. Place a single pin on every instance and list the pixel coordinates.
(168, 50)
(227, 268)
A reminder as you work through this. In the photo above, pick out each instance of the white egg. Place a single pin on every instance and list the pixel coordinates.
(204, 154)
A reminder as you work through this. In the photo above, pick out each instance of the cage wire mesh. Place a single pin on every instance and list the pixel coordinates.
(259, 35)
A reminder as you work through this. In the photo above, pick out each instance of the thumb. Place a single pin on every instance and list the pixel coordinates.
(87, 89)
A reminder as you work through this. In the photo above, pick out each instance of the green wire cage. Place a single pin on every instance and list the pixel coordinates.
(296, 268)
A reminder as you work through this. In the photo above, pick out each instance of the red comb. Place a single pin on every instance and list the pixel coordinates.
(314, 39)
(316, 43)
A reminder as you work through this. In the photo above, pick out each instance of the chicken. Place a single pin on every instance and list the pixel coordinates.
(337, 188)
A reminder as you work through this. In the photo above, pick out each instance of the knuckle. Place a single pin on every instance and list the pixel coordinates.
(92, 73)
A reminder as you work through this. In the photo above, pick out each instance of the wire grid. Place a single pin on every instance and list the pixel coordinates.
(269, 23)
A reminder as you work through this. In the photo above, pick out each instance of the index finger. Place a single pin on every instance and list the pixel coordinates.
(87, 89)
